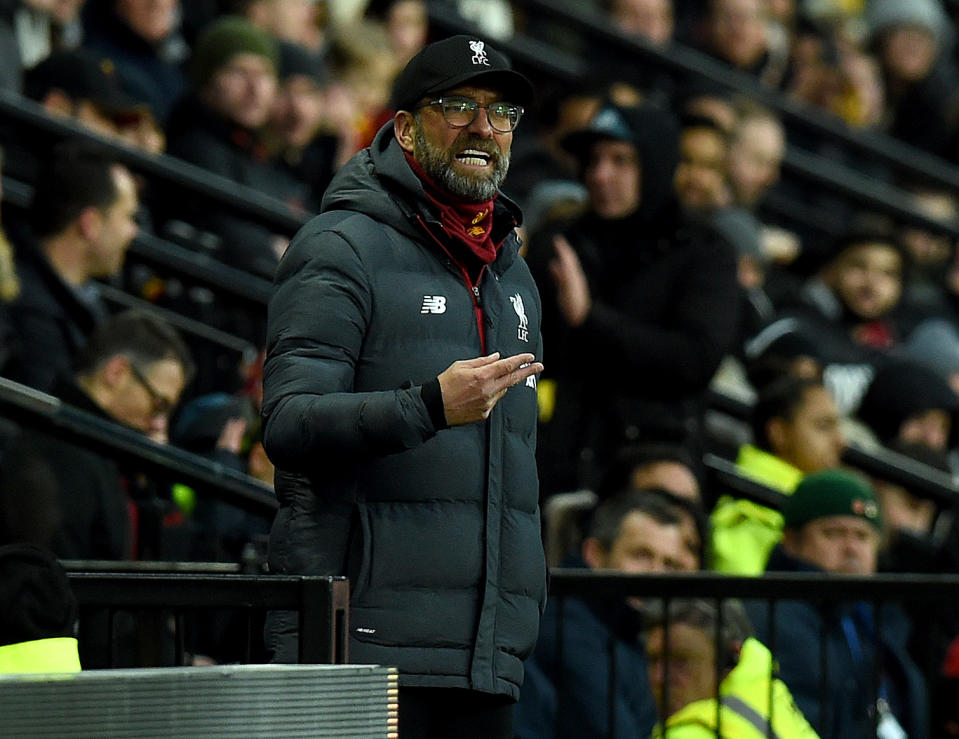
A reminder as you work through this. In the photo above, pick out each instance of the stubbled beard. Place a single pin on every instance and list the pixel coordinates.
(438, 164)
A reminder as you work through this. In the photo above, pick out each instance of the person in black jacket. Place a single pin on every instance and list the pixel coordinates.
(61, 495)
(832, 526)
(82, 219)
(400, 399)
(634, 281)
(219, 125)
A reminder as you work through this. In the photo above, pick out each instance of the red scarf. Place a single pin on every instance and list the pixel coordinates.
(468, 223)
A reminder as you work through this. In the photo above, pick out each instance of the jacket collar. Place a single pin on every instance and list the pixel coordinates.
(378, 181)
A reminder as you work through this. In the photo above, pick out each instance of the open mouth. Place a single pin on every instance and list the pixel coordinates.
(474, 158)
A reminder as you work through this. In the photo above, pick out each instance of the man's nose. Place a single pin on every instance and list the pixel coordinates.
(480, 124)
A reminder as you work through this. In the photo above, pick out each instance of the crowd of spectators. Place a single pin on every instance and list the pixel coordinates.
(648, 231)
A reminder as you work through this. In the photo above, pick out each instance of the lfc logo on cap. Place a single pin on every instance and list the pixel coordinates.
(479, 53)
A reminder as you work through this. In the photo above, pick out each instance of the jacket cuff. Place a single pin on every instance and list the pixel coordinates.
(433, 399)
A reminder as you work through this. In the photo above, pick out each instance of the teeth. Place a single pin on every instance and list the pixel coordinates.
(474, 157)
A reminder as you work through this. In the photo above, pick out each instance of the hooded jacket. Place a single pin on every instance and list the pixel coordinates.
(438, 528)
(665, 311)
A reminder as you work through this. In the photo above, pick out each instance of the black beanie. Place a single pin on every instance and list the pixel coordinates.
(36, 601)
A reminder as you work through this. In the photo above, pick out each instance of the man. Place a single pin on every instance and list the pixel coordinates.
(796, 431)
(832, 526)
(704, 644)
(218, 125)
(73, 500)
(82, 219)
(630, 274)
(632, 532)
(143, 42)
(756, 151)
(701, 177)
(736, 33)
(653, 465)
(847, 311)
(299, 125)
(911, 402)
(649, 19)
(400, 399)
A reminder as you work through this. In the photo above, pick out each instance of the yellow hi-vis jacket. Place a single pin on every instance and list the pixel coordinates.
(58, 654)
(744, 706)
(743, 532)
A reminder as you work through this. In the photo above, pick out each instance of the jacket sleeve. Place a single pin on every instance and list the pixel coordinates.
(318, 317)
(681, 357)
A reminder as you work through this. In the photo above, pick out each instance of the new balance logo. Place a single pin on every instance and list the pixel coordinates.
(433, 304)
(531, 381)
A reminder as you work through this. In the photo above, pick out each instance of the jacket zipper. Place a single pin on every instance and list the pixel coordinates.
(474, 289)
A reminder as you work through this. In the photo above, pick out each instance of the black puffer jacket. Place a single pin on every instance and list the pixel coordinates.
(437, 528)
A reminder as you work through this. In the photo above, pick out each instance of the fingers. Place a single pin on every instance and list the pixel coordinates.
(515, 369)
(481, 361)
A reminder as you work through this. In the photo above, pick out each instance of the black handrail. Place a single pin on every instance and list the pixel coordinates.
(225, 192)
(727, 476)
(34, 409)
(125, 301)
(879, 462)
(321, 602)
(910, 474)
(584, 583)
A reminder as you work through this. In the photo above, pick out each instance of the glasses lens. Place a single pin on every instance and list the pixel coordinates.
(459, 113)
(503, 117)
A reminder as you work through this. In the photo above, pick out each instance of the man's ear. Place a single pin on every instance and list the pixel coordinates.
(403, 125)
(790, 541)
(114, 370)
(57, 102)
(776, 434)
(89, 222)
(594, 553)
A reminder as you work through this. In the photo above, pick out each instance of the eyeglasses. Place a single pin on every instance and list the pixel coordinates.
(162, 405)
(461, 112)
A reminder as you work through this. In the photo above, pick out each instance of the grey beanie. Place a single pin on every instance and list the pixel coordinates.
(928, 14)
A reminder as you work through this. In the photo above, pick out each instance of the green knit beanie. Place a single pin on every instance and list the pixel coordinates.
(831, 493)
(224, 38)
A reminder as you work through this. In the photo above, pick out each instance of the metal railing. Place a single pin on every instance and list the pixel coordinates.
(160, 603)
(30, 118)
(34, 409)
(879, 462)
(929, 592)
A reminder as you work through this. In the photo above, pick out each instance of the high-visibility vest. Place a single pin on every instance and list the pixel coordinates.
(744, 532)
(744, 706)
(58, 654)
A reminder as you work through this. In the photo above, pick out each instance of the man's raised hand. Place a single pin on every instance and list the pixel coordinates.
(472, 387)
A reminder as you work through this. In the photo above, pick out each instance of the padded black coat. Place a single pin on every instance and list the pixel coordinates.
(438, 529)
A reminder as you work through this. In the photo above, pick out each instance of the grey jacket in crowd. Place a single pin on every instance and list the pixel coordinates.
(438, 528)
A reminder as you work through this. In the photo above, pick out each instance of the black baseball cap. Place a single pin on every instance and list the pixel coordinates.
(452, 62)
